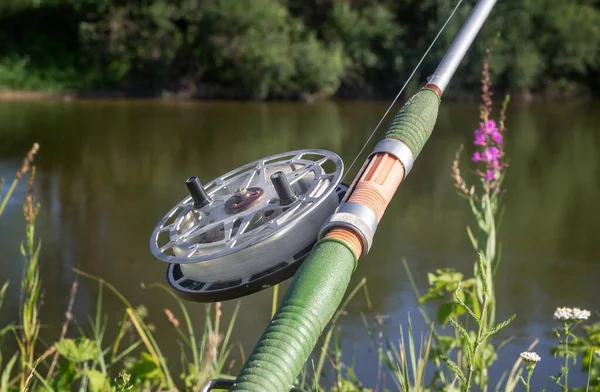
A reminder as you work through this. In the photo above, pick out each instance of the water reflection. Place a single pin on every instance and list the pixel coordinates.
(109, 170)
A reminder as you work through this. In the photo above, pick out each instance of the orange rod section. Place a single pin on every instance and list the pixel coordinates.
(347, 236)
(374, 189)
(378, 184)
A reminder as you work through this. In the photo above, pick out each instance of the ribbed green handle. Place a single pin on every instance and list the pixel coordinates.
(313, 297)
(414, 122)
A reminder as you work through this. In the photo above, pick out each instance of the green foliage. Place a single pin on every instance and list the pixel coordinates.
(371, 38)
(127, 43)
(443, 287)
(16, 72)
(78, 351)
(122, 382)
(276, 49)
(261, 47)
(588, 347)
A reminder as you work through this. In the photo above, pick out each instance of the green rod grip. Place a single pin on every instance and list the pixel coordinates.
(414, 122)
(312, 299)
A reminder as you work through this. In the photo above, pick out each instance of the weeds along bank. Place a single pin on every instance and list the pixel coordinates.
(460, 359)
(288, 49)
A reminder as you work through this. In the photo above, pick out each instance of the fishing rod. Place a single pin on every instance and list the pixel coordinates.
(290, 215)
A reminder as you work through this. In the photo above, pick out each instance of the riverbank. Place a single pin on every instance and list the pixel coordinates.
(212, 94)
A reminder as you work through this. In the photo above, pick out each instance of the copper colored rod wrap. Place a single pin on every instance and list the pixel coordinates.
(348, 237)
(374, 189)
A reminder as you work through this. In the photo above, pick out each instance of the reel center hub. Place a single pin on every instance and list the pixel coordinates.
(243, 199)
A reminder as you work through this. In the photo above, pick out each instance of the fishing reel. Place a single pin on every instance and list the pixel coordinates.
(249, 229)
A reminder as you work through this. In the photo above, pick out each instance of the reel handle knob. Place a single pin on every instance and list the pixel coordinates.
(284, 190)
(201, 199)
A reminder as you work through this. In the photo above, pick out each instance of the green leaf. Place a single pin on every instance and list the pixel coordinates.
(77, 351)
(498, 327)
(472, 238)
(431, 296)
(454, 367)
(145, 368)
(444, 311)
(65, 376)
(98, 381)
(6, 373)
(3, 292)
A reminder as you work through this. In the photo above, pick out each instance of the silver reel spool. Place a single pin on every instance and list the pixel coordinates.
(250, 228)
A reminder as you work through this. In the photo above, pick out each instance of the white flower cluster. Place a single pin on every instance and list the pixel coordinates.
(597, 353)
(530, 357)
(571, 314)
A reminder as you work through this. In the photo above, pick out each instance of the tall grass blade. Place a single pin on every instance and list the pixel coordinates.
(142, 333)
(403, 363)
(188, 322)
(120, 334)
(140, 326)
(43, 381)
(126, 351)
(3, 293)
(224, 347)
(411, 347)
(4, 379)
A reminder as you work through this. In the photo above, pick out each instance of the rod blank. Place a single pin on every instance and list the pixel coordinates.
(445, 70)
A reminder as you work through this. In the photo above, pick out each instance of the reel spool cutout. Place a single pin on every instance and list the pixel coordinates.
(250, 228)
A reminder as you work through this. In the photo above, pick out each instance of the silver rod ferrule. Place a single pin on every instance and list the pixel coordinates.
(445, 70)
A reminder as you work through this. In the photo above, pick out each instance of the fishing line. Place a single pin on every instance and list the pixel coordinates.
(403, 87)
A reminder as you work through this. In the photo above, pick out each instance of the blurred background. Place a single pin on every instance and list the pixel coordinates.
(290, 48)
(109, 169)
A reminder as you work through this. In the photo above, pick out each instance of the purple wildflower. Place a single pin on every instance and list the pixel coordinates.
(490, 175)
(480, 137)
(489, 137)
(491, 126)
(492, 154)
(488, 129)
(496, 136)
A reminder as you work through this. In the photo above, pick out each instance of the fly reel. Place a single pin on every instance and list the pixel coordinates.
(250, 228)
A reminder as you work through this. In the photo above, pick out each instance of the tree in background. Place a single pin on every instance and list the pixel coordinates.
(290, 48)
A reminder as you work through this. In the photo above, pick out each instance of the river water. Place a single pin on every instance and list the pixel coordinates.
(109, 170)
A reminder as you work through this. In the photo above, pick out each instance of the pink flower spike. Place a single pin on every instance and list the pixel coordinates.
(477, 157)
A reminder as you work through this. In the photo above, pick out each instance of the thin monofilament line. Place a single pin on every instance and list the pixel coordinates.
(402, 89)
